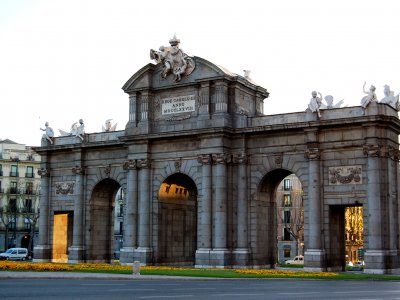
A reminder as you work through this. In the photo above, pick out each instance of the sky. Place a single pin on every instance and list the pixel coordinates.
(65, 60)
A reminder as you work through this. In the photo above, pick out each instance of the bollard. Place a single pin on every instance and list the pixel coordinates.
(136, 268)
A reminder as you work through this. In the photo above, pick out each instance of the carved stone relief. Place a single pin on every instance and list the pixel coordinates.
(345, 175)
(65, 188)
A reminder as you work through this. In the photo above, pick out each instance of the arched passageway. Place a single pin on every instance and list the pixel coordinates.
(102, 221)
(177, 220)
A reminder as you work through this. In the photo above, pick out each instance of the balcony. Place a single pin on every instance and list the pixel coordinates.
(29, 175)
(1, 172)
(13, 191)
(14, 174)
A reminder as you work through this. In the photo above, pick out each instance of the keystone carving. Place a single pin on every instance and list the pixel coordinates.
(345, 175)
(43, 172)
(64, 188)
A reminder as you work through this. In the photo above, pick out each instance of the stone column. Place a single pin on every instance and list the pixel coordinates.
(144, 251)
(43, 249)
(375, 254)
(204, 232)
(219, 256)
(132, 109)
(221, 97)
(130, 214)
(314, 255)
(393, 161)
(241, 253)
(76, 251)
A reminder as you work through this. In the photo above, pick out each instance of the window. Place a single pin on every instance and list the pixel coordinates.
(121, 210)
(13, 187)
(1, 190)
(29, 172)
(1, 170)
(286, 217)
(27, 224)
(287, 184)
(120, 227)
(286, 252)
(29, 188)
(28, 205)
(12, 224)
(14, 171)
(287, 200)
(286, 234)
(13, 205)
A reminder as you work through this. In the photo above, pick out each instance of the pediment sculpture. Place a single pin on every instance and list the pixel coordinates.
(174, 60)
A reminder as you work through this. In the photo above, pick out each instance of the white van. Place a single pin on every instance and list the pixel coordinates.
(297, 260)
(14, 254)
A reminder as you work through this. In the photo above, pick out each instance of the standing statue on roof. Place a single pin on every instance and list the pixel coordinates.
(390, 98)
(371, 97)
(49, 133)
(173, 58)
(315, 103)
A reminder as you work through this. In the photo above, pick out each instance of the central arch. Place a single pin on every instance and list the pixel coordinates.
(177, 236)
(267, 215)
(102, 221)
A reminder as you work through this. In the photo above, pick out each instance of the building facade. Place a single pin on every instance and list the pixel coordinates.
(199, 163)
(19, 195)
(290, 218)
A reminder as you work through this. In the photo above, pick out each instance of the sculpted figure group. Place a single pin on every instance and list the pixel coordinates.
(174, 60)
(315, 105)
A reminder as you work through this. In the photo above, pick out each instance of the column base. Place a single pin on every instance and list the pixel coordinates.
(144, 255)
(381, 262)
(314, 260)
(126, 256)
(202, 258)
(76, 254)
(240, 258)
(42, 253)
(220, 258)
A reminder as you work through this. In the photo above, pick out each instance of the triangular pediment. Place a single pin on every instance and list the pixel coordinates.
(149, 77)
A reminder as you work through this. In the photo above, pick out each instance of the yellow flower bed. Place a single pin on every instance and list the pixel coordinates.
(59, 267)
(286, 273)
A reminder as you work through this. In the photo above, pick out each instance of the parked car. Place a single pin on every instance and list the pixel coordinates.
(297, 260)
(14, 254)
(29, 255)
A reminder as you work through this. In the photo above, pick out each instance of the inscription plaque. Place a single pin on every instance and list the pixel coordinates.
(181, 104)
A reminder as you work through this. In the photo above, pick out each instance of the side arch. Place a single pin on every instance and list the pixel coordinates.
(101, 227)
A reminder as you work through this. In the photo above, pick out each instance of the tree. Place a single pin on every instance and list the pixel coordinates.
(7, 215)
(30, 210)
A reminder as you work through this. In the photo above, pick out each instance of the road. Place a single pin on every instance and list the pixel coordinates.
(196, 289)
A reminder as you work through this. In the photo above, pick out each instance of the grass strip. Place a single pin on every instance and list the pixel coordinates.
(192, 272)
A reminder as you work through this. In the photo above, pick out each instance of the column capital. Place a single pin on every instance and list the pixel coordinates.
(204, 159)
(43, 172)
(143, 163)
(221, 158)
(130, 165)
(240, 158)
(312, 153)
(78, 170)
(393, 153)
(372, 150)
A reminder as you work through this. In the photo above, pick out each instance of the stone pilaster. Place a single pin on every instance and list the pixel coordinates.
(43, 248)
(375, 255)
(220, 255)
(393, 161)
(131, 213)
(76, 251)
(314, 255)
(144, 252)
(241, 253)
(204, 229)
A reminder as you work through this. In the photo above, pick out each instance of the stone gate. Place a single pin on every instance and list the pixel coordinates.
(199, 164)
